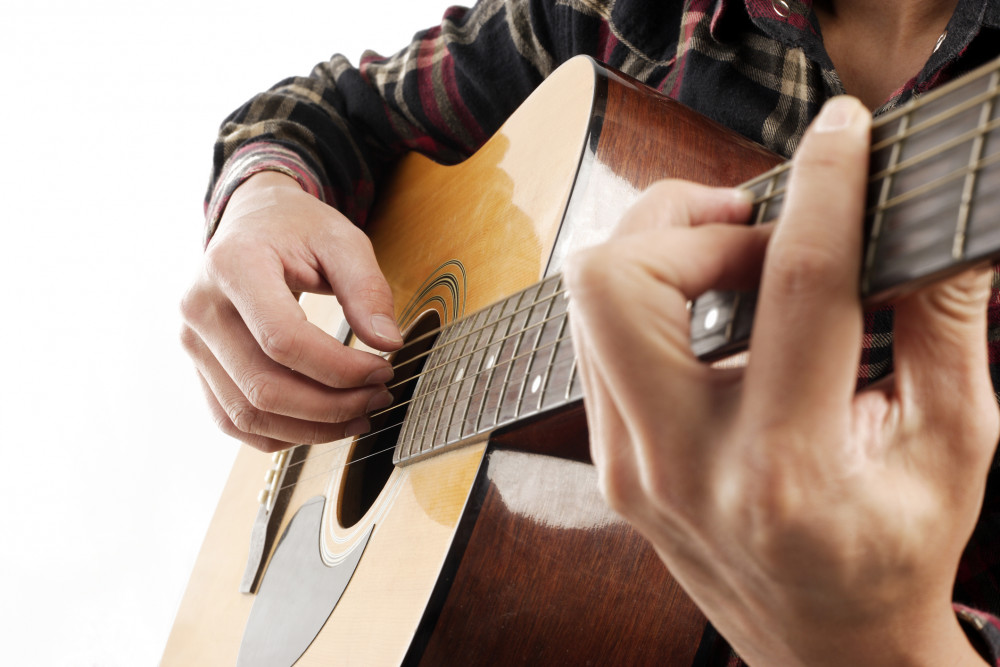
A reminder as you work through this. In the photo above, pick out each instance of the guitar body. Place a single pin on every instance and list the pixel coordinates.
(500, 550)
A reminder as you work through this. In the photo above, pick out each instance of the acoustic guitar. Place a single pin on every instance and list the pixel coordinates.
(466, 527)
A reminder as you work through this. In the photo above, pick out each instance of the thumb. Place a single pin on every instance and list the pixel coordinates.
(940, 350)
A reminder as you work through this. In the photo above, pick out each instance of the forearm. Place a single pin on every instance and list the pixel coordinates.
(339, 129)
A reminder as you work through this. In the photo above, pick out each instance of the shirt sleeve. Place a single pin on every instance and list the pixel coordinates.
(339, 129)
(983, 630)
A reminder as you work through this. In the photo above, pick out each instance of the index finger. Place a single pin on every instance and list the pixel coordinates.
(808, 323)
(278, 324)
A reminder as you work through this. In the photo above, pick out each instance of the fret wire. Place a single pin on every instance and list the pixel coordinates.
(441, 329)
(470, 357)
(924, 189)
(509, 318)
(971, 169)
(772, 175)
(946, 90)
(965, 207)
(883, 196)
(939, 119)
(396, 406)
(434, 379)
(339, 447)
(447, 389)
(572, 376)
(772, 183)
(938, 182)
(405, 441)
(407, 435)
(480, 428)
(492, 374)
(922, 158)
(510, 366)
(563, 318)
(936, 120)
(519, 403)
(488, 378)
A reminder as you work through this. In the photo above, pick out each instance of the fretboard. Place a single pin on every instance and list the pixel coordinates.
(933, 204)
(506, 363)
(933, 209)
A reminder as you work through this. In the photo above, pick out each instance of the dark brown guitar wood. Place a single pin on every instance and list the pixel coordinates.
(499, 551)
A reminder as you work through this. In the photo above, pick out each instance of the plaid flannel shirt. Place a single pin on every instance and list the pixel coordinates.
(758, 67)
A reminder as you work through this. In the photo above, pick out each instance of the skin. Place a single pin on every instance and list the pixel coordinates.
(812, 524)
(877, 47)
(272, 379)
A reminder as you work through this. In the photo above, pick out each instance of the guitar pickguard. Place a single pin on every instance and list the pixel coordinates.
(298, 593)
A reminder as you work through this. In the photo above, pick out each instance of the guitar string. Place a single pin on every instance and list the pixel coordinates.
(930, 123)
(335, 447)
(773, 175)
(917, 160)
(498, 342)
(955, 175)
(489, 344)
(923, 157)
(474, 377)
(898, 200)
(975, 102)
(539, 300)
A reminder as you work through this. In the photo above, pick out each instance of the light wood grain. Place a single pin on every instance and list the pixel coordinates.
(498, 214)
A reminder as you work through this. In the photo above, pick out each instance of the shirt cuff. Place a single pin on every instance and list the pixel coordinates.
(983, 631)
(253, 159)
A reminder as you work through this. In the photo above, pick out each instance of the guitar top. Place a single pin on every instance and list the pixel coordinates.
(466, 528)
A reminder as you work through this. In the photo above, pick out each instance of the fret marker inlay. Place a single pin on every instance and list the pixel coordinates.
(711, 318)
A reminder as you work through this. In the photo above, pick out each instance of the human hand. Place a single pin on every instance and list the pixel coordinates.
(272, 378)
(813, 524)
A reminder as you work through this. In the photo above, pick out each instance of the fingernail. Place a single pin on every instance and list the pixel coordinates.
(385, 328)
(356, 427)
(381, 376)
(741, 196)
(837, 114)
(383, 399)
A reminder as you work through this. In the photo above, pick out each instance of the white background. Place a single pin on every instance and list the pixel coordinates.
(111, 464)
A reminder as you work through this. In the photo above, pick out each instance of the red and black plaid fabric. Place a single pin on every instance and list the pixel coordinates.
(758, 67)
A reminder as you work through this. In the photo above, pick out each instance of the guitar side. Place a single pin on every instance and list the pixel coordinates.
(465, 561)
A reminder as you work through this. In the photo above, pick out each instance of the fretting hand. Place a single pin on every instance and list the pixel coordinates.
(813, 524)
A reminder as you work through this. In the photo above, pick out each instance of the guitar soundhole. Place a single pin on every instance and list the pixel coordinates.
(370, 462)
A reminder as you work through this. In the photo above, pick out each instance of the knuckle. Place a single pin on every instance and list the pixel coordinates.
(216, 259)
(280, 344)
(617, 485)
(373, 294)
(318, 434)
(662, 491)
(193, 304)
(802, 269)
(246, 418)
(261, 391)
(588, 270)
(190, 340)
(266, 445)
(611, 489)
(776, 511)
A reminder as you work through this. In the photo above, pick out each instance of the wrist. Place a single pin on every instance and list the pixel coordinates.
(910, 639)
(259, 159)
